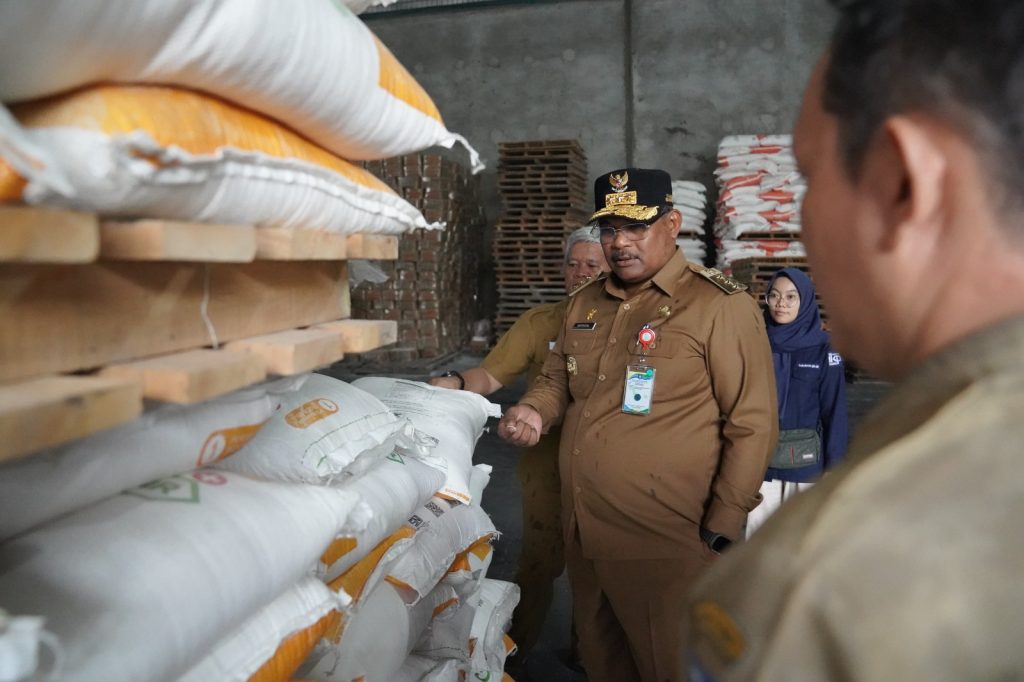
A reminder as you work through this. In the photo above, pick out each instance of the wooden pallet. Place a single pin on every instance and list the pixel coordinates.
(44, 235)
(160, 310)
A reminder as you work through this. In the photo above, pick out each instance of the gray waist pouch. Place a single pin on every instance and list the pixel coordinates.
(797, 448)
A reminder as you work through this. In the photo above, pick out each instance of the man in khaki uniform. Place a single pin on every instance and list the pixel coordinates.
(905, 563)
(524, 348)
(664, 376)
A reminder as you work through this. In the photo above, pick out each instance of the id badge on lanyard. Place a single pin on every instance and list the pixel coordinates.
(638, 391)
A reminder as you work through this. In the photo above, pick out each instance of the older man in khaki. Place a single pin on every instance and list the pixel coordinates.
(906, 563)
(663, 373)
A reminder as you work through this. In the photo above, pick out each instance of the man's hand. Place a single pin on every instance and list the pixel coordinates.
(445, 382)
(521, 425)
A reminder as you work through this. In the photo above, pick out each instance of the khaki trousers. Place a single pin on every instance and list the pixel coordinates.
(542, 557)
(631, 614)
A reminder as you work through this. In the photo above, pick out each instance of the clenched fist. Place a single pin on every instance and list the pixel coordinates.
(520, 425)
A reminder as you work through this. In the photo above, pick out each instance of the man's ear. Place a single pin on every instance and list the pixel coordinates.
(675, 221)
(904, 173)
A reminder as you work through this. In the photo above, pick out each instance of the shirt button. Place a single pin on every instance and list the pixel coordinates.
(625, 306)
(578, 489)
(611, 340)
(576, 452)
(600, 377)
(587, 414)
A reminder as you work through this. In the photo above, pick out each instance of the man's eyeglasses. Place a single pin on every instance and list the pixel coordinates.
(790, 299)
(633, 232)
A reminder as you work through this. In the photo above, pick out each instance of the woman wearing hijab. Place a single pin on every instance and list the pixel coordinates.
(811, 388)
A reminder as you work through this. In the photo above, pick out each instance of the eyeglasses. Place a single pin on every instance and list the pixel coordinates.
(790, 299)
(633, 232)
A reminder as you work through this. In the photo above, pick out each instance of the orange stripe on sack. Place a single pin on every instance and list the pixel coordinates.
(510, 644)
(353, 581)
(196, 122)
(293, 651)
(398, 82)
(441, 608)
(337, 549)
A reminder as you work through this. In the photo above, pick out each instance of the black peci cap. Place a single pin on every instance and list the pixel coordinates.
(635, 193)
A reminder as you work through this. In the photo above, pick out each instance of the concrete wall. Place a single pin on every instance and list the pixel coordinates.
(651, 83)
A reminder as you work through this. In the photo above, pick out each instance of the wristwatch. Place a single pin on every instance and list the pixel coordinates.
(453, 373)
(716, 542)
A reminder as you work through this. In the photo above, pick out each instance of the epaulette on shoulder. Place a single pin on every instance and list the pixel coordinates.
(583, 285)
(721, 280)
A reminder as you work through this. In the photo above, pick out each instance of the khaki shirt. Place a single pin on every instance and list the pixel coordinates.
(907, 562)
(525, 346)
(635, 485)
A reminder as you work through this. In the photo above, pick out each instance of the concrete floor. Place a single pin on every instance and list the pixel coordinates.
(547, 661)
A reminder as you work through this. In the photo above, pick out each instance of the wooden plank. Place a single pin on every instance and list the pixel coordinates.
(373, 246)
(168, 240)
(192, 376)
(63, 318)
(284, 244)
(48, 411)
(293, 351)
(363, 335)
(29, 234)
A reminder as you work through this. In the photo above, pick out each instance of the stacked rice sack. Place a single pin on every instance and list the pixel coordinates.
(276, 514)
(760, 190)
(691, 201)
(165, 110)
(422, 606)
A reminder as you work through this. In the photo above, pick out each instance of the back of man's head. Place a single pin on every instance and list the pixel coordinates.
(961, 61)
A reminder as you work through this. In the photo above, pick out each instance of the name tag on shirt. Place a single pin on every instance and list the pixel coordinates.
(638, 392)
(585, 326)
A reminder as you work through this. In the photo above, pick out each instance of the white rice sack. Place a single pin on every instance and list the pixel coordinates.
(389, 493)
(129, 175)
(318, 68)
(376, 641)
(166, 441)
(323, 430)
(441, 536)
(755, 140)
(494, 604)
(140, 585)
(360, 6)
(418, 668)
(470, 567)
(479, 478)
(449, 638)
(454, 419)
(242, 653)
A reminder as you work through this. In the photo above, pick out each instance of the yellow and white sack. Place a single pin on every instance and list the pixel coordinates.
(494, 603)
(454, 420)
(448, 530)
(311, 64)
(377, 640)
(325, 430)
(170, 440)
(178, 154)
(143, 584)
(389, 495)
(274, 641)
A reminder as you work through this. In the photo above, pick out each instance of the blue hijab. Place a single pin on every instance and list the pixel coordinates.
(803, 332)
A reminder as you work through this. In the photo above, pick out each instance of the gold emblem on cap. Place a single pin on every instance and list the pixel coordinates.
(591, 313)
(570, 365)
(619, 182)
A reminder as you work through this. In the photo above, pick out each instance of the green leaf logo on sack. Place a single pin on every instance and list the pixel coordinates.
(182, 488)
(173, 489)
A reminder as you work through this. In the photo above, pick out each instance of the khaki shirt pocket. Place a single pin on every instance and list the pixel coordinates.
(582, 358)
